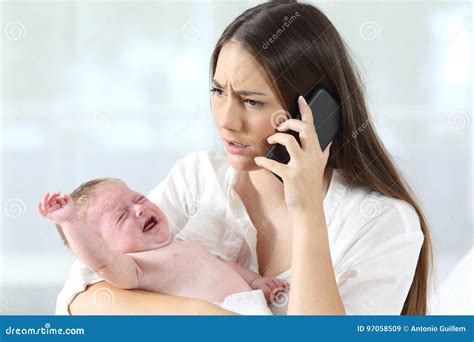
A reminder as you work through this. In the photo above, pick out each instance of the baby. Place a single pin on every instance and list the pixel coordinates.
(124, 238)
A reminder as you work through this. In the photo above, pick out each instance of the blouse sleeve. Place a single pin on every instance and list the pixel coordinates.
(380, 266)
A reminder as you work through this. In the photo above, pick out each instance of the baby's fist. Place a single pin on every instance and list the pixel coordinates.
(269, 286)
(57, 207)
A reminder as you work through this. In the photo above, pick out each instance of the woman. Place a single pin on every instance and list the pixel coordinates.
(343, 225)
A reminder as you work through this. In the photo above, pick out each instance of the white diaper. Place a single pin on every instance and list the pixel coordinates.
(246, 303)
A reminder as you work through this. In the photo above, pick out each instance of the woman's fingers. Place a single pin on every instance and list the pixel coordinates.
(327, 150)
(293, 124)
(271, 165)
(288, 141)
(305, 130)
(305, 110)
(305, 127)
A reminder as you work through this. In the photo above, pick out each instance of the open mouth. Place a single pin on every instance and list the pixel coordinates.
(151, 223)
(235, 143)
(235, 147)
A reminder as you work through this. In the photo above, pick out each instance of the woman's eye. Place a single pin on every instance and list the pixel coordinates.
(141, 199)
(253, 103)
(120, 217)
(217, 91)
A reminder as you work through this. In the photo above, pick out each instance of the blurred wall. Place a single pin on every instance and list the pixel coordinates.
(121, 88)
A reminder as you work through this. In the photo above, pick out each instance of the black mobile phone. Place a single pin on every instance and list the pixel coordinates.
(327, 120)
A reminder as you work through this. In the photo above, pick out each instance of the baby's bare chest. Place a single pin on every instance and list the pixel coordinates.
(181, 262)
(188, 269)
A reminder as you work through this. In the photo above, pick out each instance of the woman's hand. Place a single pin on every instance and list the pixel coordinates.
(303, 175)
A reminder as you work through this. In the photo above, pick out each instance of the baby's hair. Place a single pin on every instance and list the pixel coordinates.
(81, 198)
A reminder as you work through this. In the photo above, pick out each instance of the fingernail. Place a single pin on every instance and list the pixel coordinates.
(302, 100)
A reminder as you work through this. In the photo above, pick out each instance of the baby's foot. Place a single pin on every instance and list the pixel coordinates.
(269, 286)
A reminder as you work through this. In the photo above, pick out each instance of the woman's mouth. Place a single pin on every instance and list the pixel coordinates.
(235, 147)
(151, 223)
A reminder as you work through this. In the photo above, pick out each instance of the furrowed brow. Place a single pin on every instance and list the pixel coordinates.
(240, 92)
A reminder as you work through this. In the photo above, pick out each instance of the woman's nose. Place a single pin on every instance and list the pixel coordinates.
(140, 210)
(229, 116)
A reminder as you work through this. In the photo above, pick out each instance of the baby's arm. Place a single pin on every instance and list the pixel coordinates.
(269, 286)
(117, 268)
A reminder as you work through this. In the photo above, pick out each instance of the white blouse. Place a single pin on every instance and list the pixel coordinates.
(375, 240)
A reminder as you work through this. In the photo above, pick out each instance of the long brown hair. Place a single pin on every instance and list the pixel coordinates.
(299, 48)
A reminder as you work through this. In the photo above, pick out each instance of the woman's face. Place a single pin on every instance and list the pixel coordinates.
(245, 107)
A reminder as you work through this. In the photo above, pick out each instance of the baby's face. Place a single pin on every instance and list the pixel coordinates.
(126, 220)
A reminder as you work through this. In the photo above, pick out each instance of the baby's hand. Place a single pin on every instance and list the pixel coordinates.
(269, 286)
(57, 207)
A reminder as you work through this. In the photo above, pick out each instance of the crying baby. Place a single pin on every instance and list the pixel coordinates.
(124, 238)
